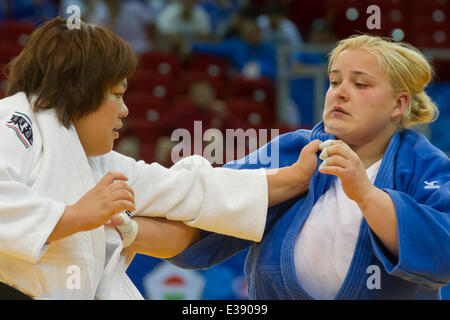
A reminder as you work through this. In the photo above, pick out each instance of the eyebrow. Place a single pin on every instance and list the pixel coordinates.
(357, 72)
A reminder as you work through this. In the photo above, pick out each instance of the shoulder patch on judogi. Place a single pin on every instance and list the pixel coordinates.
(22, 126)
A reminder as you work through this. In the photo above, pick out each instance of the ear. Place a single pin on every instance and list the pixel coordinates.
(402, 103)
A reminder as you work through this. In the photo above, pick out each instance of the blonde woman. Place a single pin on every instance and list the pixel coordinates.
(375, 221)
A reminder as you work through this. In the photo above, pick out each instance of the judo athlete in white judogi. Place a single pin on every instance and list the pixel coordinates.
(60, 184)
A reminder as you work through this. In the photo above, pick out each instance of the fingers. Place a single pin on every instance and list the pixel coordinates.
(122, 195)
(338, 159)
(332, 170)
(119, 195)
(310, 149)
(335, 161)
(121, 205)
(325, 144)
(110, 177)
(116, 220)
(118, 185)
(334, 147)
(334, 155)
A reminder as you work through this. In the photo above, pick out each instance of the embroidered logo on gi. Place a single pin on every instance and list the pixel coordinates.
(22, 126)
(432, 185)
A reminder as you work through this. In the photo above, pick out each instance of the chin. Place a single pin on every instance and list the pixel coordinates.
(330, 127)
(100, 152)
(339, 131)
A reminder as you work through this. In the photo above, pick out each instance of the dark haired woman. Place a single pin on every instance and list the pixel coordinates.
(60, 182)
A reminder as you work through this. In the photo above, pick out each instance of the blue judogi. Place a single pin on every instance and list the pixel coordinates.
(417, 177)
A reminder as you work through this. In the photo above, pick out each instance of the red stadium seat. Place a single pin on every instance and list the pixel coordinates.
(181, 101)
(186, 78)
(212, 65)
(147, 152)
(166, 63)
(254, 114)
(9, 50)
(342, 26)
(260, 90)
(147, 132)
(432, 37)
(15, 30)
(389, 4)
(152, 82)
(430, 5)
(146, 106)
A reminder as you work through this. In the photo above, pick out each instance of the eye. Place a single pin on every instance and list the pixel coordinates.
(333, 83)
(119, 95)
(360, 85)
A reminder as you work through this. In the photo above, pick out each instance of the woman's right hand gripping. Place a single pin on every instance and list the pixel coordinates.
(109, 197)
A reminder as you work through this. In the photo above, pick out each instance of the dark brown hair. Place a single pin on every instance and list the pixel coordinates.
(70, 70)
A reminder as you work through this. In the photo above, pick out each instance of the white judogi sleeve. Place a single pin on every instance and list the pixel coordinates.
(26, 219)
(227, 201)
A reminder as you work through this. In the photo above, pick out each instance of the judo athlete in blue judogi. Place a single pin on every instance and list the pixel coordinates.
(374, 220)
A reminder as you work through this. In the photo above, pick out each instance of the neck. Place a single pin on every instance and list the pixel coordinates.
(373, 150)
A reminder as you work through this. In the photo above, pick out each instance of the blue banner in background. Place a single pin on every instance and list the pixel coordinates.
(159, 280)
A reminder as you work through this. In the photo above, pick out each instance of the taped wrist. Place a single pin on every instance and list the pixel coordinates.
(128, 229)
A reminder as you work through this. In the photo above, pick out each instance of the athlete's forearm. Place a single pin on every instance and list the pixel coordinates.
(379, 211)
(162, 238)
(67, 225)
(284, 184)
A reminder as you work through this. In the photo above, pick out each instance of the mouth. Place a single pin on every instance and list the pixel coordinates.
(116, 131)
(117, 128)
(339, 110)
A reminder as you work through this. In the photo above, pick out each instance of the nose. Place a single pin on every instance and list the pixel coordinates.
(123, 113)
(341, 92)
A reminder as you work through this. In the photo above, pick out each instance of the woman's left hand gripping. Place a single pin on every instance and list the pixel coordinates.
(340, 160)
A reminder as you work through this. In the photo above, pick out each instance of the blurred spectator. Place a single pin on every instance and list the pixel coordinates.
(247, 52)
(156, 6)
(181, 22)
(277, 29)
(131, 19)
(34, 11)
(322, 33)
(220, 12)
(135, 24)
(230, 28)
(200, 105)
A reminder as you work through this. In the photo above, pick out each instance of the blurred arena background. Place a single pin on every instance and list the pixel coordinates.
(257, 64)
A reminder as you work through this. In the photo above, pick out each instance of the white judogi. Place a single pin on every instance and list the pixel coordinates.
(42, 173)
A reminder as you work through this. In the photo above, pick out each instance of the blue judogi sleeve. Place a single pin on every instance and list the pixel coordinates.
(422, 204)
(214, 248)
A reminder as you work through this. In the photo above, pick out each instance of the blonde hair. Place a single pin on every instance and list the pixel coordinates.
(407, 68)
